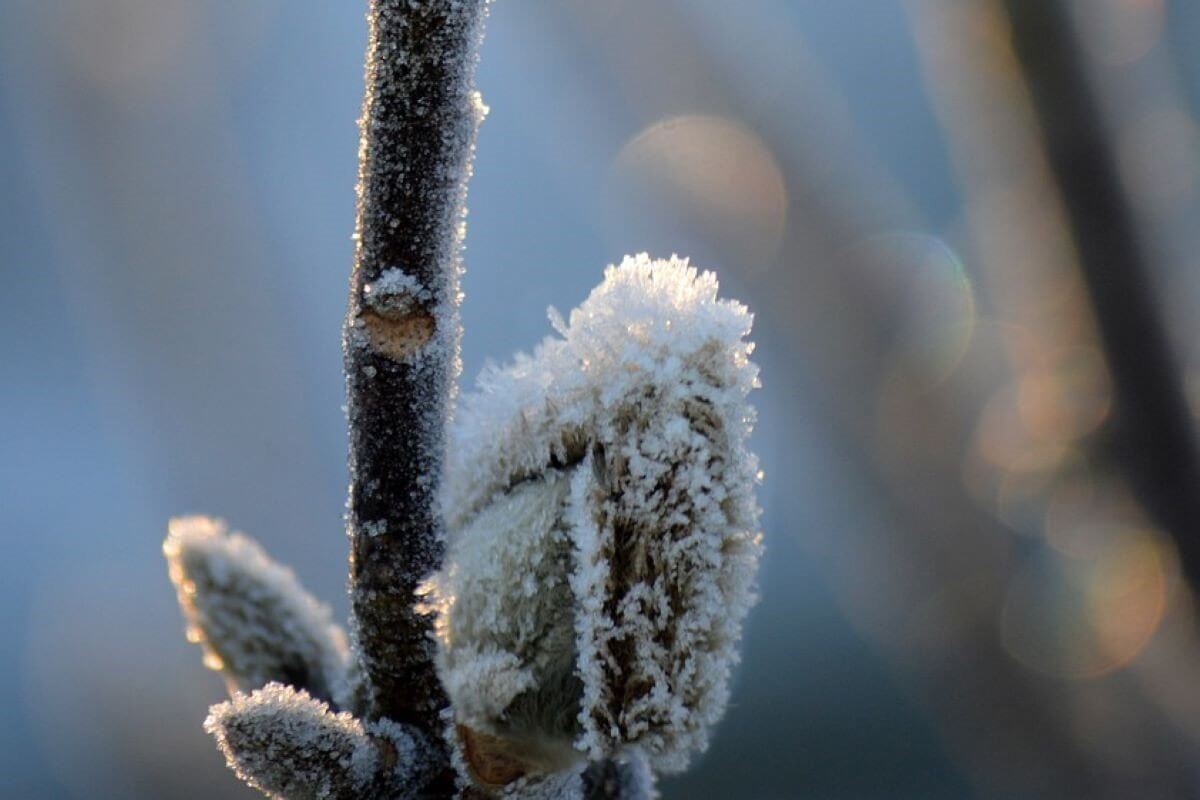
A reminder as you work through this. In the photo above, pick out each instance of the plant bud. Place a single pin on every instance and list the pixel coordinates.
(603, 534)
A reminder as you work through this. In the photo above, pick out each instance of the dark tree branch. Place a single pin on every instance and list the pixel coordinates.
(1151, 428)
(401, 335)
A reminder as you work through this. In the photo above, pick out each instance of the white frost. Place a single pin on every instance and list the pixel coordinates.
(608, 467)
(288, 745)
(255, 621)
(395, 291)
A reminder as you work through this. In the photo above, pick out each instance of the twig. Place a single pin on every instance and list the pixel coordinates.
(401, 334)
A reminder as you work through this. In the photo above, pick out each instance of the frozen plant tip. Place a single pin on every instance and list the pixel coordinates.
(545, 601)
(603, 538)
(254, 620)
(288, 745)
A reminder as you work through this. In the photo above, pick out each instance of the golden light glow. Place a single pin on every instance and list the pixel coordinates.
(1082, 618)
(1066, 400)
(1126, 596)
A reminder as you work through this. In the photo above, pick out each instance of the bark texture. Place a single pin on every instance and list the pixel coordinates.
(401, 334)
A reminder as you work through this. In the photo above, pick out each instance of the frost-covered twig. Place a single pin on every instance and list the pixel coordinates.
(254, 620)
(401, 335)
(288, 745)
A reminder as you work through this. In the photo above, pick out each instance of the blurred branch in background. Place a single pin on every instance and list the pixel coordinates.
(1107, 597)
(1151, 430)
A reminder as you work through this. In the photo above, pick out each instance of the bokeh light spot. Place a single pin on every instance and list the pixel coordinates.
(921, 279)
(714, 174)
(1079, 618)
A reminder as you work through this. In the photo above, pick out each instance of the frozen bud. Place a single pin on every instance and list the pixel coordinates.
(603, 534)
(286, 744)
(255, 621)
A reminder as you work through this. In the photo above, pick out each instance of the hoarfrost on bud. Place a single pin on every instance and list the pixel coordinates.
(288, 745)
(514, 673)
(603, 527)
(255, 621)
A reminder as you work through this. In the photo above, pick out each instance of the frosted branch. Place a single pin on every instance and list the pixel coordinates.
(288, 745)
(254, 620)
(401, 335)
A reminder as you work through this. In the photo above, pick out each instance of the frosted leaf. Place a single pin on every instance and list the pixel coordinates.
(603, 525)
(288, 745)
(254, 620)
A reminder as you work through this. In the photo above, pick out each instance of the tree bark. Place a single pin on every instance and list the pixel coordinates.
(418, 125)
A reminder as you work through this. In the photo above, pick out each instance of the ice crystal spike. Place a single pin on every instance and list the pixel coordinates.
(251, 616)
(603, 529)
(288, 745)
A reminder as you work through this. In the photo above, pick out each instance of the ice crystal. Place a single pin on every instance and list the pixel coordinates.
(603, 526)
(255, 621)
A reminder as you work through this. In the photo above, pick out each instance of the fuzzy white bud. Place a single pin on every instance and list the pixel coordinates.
(288, 745)
(254, 620)
(603, 528)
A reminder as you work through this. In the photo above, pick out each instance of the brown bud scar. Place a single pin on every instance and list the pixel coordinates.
(491, 759)
(398, 336)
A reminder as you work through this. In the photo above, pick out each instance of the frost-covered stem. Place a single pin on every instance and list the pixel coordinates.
(401, 336)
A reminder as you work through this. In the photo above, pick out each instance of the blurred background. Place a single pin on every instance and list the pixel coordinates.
(969, 232)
